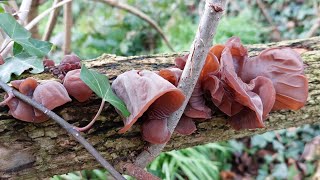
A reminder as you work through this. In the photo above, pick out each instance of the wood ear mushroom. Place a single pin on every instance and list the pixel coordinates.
(51, 94)
(76, 87)
(146, 90)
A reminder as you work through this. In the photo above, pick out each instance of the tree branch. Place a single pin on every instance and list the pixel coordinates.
(67, 18)
(69, 128)
(141, 15)
(52, 22)
(45, 149)
(190, 75)
(24, 10)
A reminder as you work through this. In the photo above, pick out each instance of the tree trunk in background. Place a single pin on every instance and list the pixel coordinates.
(41, 150)
(32, 14)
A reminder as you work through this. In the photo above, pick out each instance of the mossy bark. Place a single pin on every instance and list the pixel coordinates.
(30, 151)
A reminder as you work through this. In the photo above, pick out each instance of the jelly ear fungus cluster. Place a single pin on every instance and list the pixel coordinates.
(50, 94)
(245, 88)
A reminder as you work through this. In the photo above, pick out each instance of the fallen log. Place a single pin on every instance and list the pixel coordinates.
(41, 150)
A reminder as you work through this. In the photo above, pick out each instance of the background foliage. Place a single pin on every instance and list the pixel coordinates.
(281, 154)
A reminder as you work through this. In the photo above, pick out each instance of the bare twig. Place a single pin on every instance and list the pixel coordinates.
(69, 128)
(52, 22)
(137, 172)
(5, 45)
(198, 53)
(275, 29)
(67, 18)
(45, 13)
(141, 15)
(24, 10)
(313, 30)
(34, 22)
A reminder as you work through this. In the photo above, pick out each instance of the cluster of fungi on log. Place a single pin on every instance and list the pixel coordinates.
(244, 88)
(50, 94)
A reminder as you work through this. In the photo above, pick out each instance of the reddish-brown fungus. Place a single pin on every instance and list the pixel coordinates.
(19, 109)
(186, 126)
(50, 94)
(48, 63)
(171, 74)
(141, 90)
(181, 61)
(196, 107)
(284, 67)
(27, 86)
(76, 87)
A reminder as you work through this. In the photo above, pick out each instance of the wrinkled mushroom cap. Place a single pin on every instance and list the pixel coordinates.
(284, 67)
(140, 89)
(51, 94)
(76, 87)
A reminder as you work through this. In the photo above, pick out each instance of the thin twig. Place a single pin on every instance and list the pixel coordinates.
(263, 8)
(137, 172)
(68, 127)
(67, 19)
(141, 15)
(52, 22)
(6, 45)
(45, 13)
(198, 53)
(24, 10)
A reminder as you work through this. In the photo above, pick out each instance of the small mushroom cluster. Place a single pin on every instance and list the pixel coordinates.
(244, 88)
(49, 93)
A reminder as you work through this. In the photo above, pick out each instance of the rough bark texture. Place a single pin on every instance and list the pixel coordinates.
(41, 150)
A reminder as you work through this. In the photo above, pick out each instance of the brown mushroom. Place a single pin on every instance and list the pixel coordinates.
(50, 94)
(19, 109)
(284, 67)
(186, 126)
(196, 107)
(145, 90)
(76, 87)
(171, 74)
(239, 100)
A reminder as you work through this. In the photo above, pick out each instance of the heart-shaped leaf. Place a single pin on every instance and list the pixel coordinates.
(23, 37)
(100, 84)
(17, 65)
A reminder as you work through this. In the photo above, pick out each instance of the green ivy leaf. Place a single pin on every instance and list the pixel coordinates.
(100, 84)
(17, 49)
(23, 37)
(17, 65)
